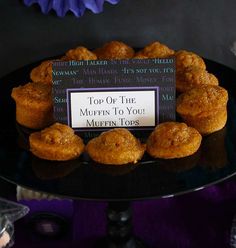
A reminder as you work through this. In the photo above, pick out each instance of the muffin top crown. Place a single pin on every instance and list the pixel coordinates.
(192, 77)
(185, 59)
(114, 50)
(42, 73)
(57, 134)
(202, 99)
(117, 137)
(155, 50)
(33, 93)
(79, 53)
(171, 134)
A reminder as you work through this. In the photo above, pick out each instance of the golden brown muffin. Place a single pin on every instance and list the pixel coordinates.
(116, 146)
(42, 73)
(57, 142)
(114, 50)
(204, 108)
(140, 56)
(156, 50)
(192, 77)
(173, 140)
(34, 108)
(79, 53)
(185, 59)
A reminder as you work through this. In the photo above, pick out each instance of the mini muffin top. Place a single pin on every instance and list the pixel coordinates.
(200, 101)
(42, 73)
(185, 59)
(33, 94)
(155, 50)
(171, 134)
(192, 77)
(116, 146)
(79, 53)
(57, 142)
(58, 134)
(118, 138)
(173, 140)
(114, 50)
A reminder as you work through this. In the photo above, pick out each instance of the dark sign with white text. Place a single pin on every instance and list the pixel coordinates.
(96, 95)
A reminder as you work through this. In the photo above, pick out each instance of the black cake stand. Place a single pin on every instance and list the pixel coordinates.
(82, 179)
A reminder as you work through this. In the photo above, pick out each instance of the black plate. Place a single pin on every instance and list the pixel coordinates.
(214, 162)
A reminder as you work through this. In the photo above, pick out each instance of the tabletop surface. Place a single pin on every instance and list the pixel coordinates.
(82, 179)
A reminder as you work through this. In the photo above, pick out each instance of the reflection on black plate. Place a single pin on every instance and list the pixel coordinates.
(181, 164)
(214, 154)
(113, 170)
(47, 170)
(23, 136)
(149, 178)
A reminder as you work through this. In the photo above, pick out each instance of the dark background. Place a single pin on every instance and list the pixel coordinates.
(207, 27)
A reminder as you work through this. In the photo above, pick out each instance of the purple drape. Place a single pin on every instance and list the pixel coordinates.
(199, 219)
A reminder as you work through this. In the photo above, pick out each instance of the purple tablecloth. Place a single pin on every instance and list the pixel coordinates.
(198, 219)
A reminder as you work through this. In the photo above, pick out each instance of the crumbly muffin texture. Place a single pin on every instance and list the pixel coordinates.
(116, 146)
(173, 140)
(201, 100)
(33, 94)
(79, 53)
(155, 50)
(114, 50)
(204, 108)
(186, 59)
(57, 142)
(192, 77)
(207, 124)
(42, 73)
(34, 107)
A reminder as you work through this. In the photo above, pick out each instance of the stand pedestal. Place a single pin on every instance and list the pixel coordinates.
(119, 227)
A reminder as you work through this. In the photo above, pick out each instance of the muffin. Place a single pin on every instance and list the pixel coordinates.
(34, 108)
(42, 73)
(185, 59)
(116, 146)
(140, 56)
(173, 140)
(114, 50)
(79, 53)
(192, 77)
(204, 108)
(155, 50)
(57, 142)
